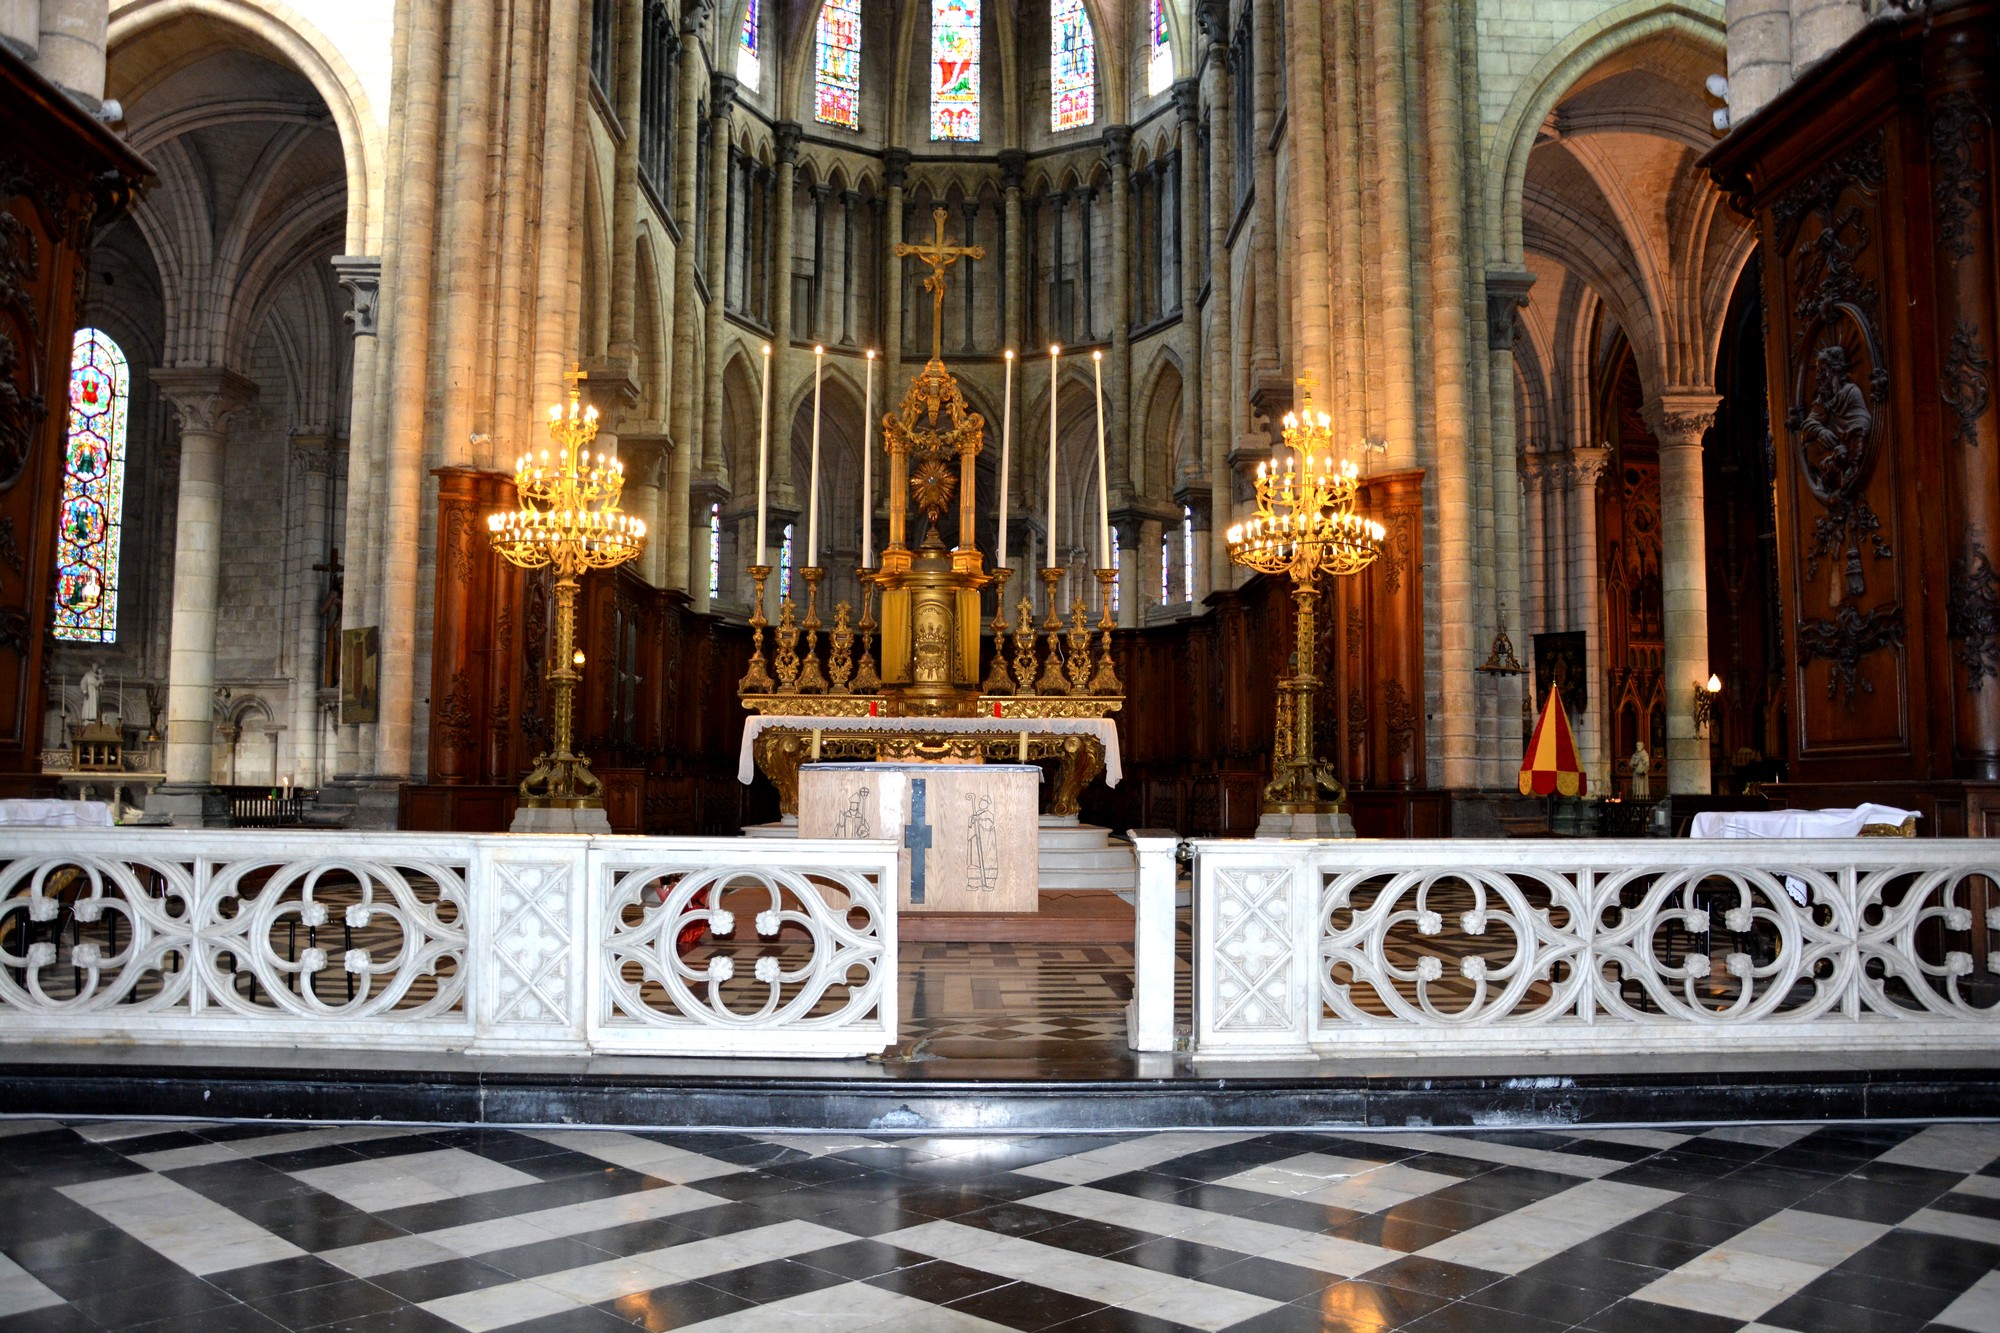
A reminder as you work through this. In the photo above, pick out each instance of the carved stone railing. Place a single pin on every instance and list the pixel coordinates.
(448, 942)
(1684, 947)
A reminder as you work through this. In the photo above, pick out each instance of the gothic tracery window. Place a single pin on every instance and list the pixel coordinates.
(93, 495)
(837, 67)
(1160, 53)
(749, 49)
(1072, 67)
(955, 70)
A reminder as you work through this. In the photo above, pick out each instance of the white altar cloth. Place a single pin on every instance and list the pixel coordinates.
(55, 814)
(1794, 823)
(1103, 728)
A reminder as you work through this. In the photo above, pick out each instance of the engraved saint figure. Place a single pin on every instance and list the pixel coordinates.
(982, 851)
(1836, 426)
(854, 819)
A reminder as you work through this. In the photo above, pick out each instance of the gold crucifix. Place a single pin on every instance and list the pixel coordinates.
(940, 257)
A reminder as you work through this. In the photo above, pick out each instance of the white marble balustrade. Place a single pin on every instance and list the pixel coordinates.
(448, 942)
(1655, 947)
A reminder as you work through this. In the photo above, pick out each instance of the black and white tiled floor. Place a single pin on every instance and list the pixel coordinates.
(215, 1228)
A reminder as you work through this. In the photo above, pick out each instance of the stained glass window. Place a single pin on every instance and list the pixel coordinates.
(1187, 553)
(955, 69)
(1166, 573)
(837, 75)
(1072, 66)
(93, 498)
(785, 565)
(1117, 562)
(715, 550)
(749, 50)
(1160, 63)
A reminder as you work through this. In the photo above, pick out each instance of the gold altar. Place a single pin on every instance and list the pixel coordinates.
(930, 622)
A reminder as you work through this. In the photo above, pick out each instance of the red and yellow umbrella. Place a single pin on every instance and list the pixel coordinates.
(1550, 767)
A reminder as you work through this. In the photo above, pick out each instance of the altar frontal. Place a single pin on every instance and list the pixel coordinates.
(968, 833)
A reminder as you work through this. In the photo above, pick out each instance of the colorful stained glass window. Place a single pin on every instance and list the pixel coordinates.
(1072, 67)
(837, 75)
(955, 69)
(93, 498)
(1160, 58)
(1187, 553)
(1117, 562)
(785, 565)
(715, 550)
(749, 50)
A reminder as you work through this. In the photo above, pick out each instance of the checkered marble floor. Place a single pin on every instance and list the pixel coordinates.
(215, 1228)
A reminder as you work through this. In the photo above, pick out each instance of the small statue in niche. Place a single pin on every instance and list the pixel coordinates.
(1642, 773)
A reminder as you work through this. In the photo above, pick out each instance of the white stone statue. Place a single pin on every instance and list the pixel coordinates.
(1642, 772)
(89, 686)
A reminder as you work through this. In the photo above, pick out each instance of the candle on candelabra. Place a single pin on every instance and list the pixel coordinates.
(1006, 454)
(868, 470)
(812, 500)
(1103, 495)
(763, 454)
(1054, 353)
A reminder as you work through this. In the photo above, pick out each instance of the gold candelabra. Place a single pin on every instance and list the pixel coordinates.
(1306, 527)
(568, 520)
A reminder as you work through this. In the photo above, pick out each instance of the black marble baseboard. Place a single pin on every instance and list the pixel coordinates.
(347, 1086)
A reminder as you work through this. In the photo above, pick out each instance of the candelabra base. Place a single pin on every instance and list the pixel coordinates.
(1305, 821)
(567, 818)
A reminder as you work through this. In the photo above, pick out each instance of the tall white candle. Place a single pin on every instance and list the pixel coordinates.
(1054, 353)
(1103, 495)
(1006, 455)
(763, 455)
(812, 501)
(868, 470)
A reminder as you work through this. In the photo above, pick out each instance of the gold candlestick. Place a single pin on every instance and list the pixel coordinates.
(757, 678)
(1024, 646)
(1105, 681)
(866, 679)
(788, 645)
(997, 679)
(1078, 666)
(840, 650)
(1052, 681)
(812, 680)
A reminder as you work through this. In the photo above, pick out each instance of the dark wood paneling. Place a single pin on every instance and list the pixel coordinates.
(60, 173)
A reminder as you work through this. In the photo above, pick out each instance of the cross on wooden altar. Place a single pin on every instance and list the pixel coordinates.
(917, 837)
(940, 257)
(574, 377)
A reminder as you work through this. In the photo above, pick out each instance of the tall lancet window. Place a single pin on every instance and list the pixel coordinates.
(93, 498)
(1072, 67)
(955, 70)
(750, 48)
(1160, 54)
(837, 72)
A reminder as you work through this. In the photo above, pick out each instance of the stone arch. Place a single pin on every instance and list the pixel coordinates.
(308, 50)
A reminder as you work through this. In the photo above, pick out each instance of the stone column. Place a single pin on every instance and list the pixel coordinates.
(1586, 467)
(362, 276)
(722, 100)
(1821, 27)
(622, 340)
(1266, 357)
(1121, 441)
(1014, 290)
(1535, 594)
(1311, 234)
(895, 171)
(203, 401)
(1221, 420)
(1187, 109)
(70, 53)
(1679, 420)
(309, 470)
(1760, 53)
(680, 536)
(1506, 291)
(783, 484)
(646, 470)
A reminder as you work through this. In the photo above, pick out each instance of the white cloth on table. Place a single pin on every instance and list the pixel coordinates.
(1796, 824)
(55, 814)
(1103, 728)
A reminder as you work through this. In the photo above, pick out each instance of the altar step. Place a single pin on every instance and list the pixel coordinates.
(1088, 916)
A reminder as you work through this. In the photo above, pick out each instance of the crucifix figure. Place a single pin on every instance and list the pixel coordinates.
(940, 257)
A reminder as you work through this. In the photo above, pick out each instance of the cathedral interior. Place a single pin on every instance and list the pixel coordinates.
(628, 417)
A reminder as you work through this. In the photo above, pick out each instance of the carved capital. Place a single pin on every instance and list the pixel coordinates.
(362, 276)
(1681, 417)
(1506, 292)
(645, 458)
(1013, 168)
(204, 399)
(787, 133)
(1532, 467)
(895, 168)
(721, 95)
(309, 451)
(1586, 466)
(1118, 145)
(609, 388)
(1187, 99)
